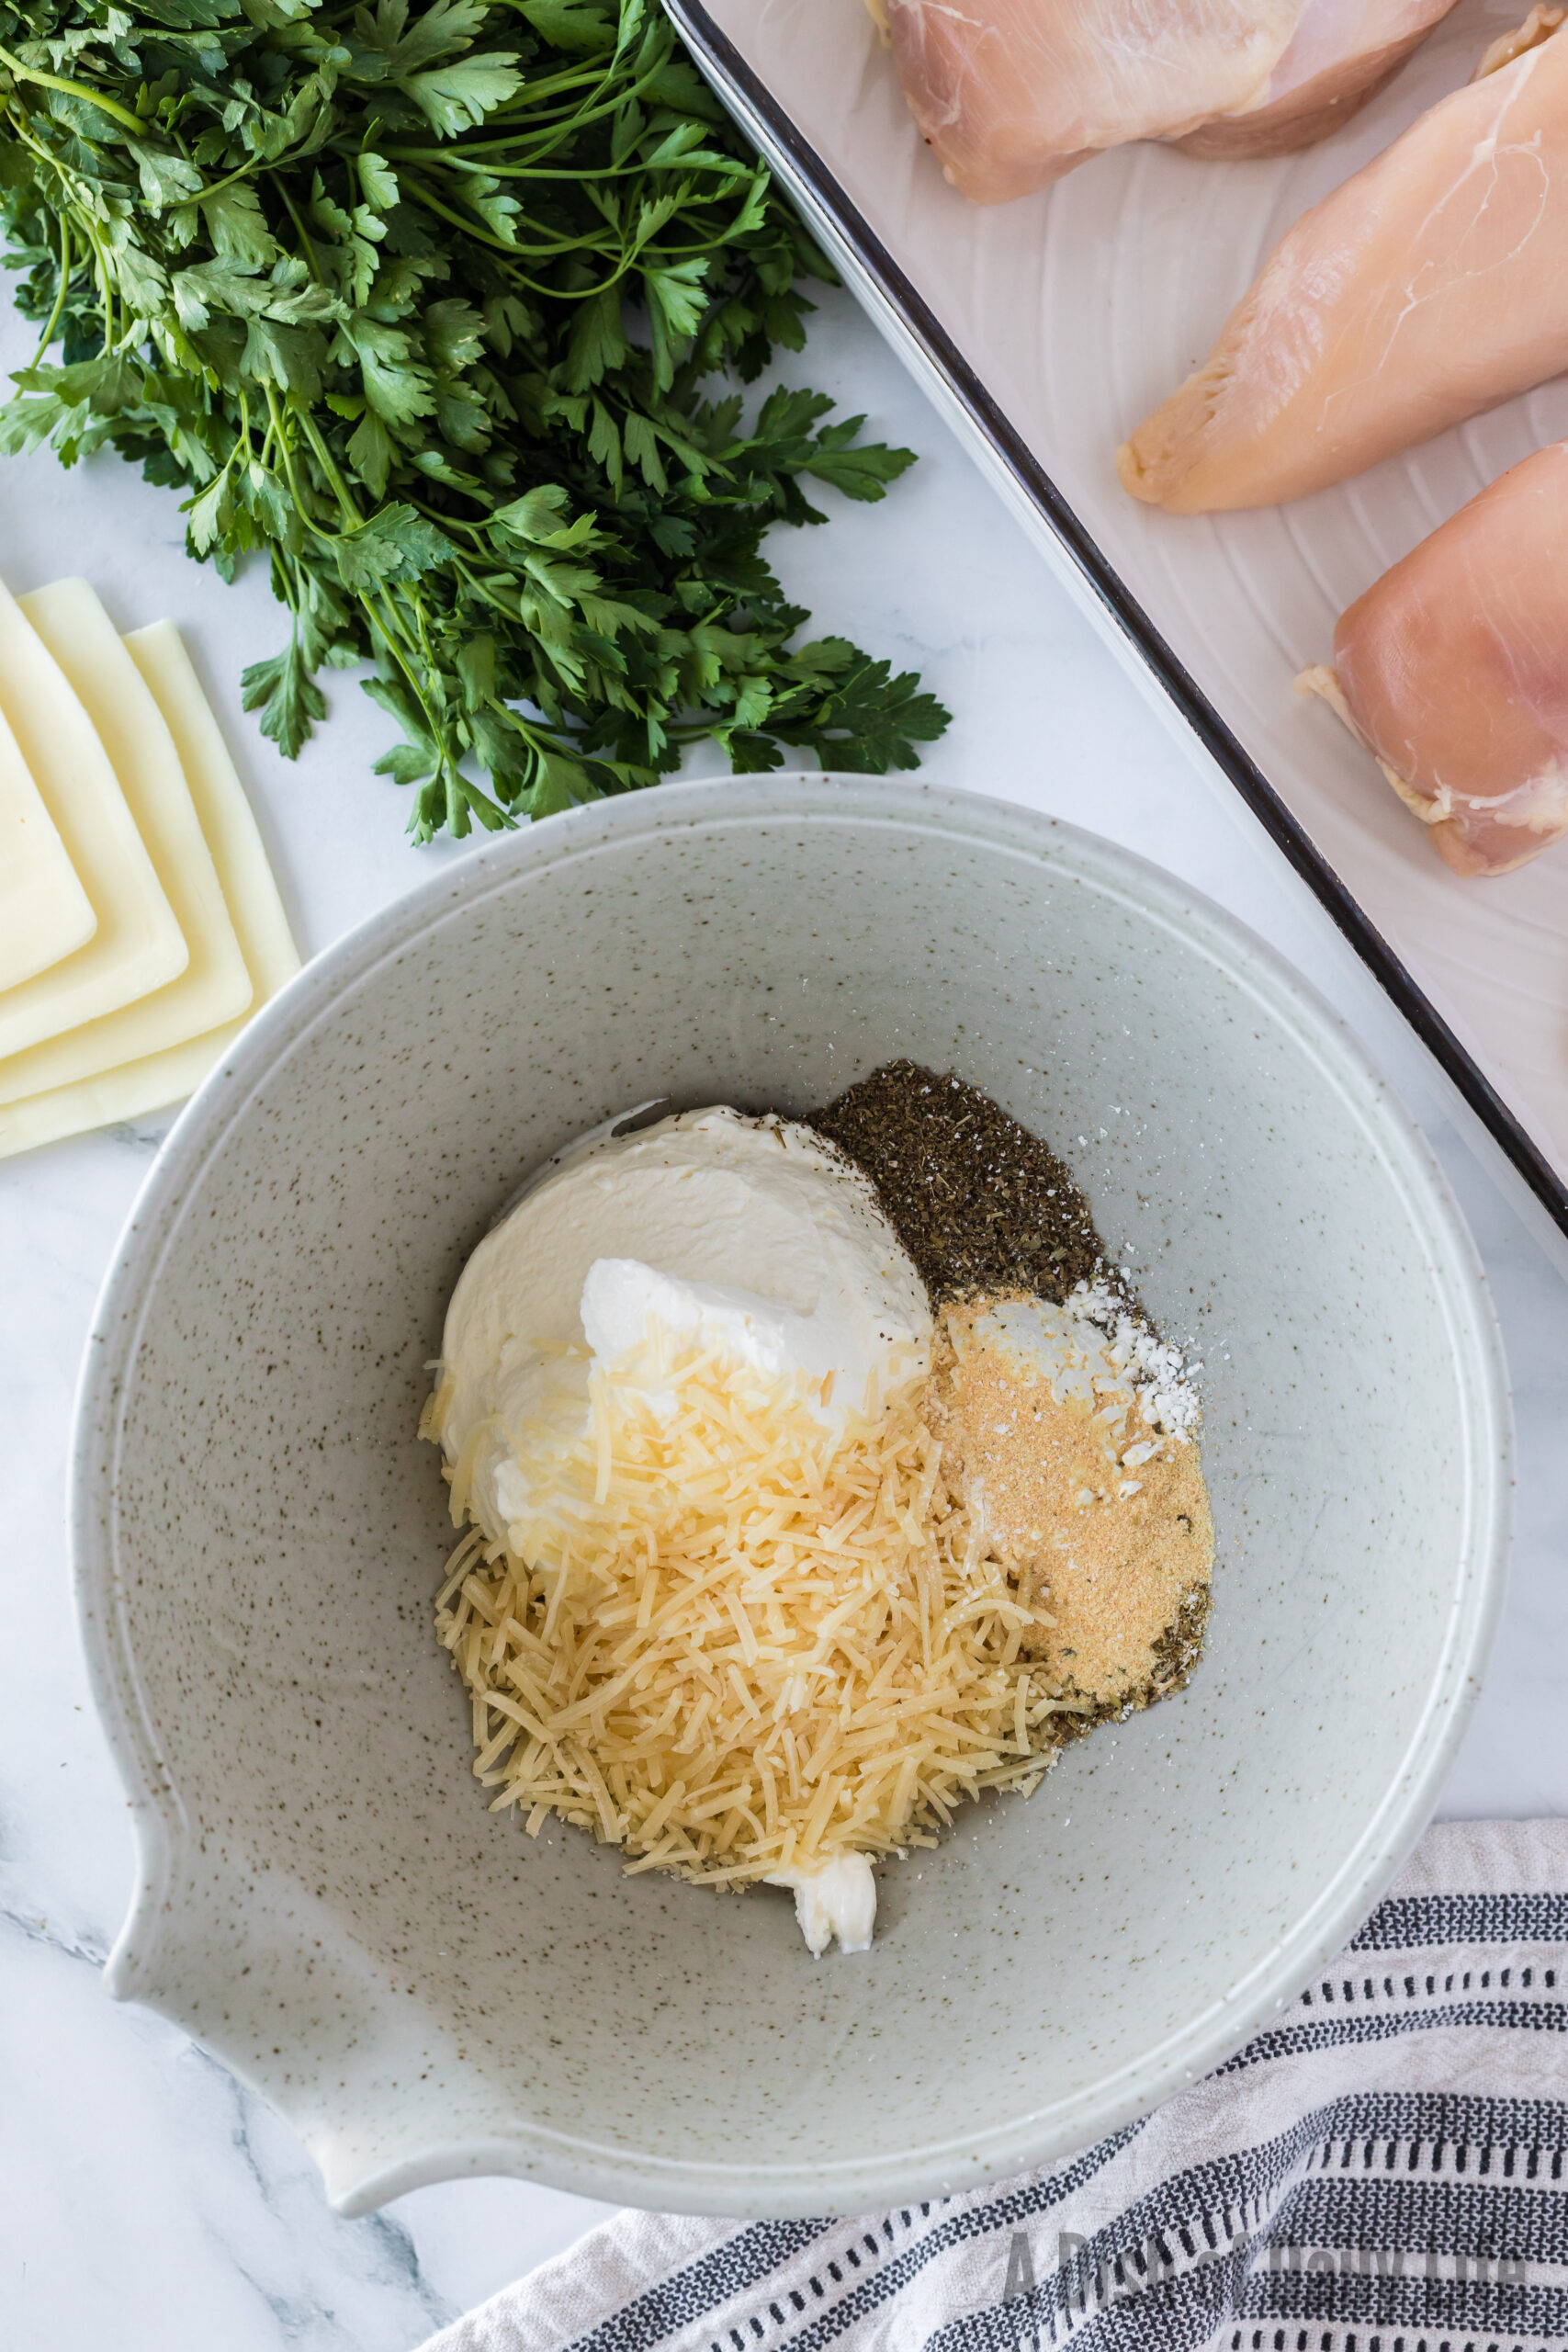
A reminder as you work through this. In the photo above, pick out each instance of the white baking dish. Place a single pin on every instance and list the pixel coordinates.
(1045, 329)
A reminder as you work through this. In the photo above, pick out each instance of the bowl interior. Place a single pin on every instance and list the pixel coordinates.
(423, 1988)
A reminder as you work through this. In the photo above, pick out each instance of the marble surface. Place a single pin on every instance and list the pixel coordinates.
(146, 2200)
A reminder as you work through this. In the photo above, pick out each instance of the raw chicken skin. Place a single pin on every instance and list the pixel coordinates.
(1432, 284)
(1343, 52)
(1013, 93)
(1453, 671)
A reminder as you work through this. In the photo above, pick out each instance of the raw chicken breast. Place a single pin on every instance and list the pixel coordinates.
(1013, 93)
(1342, 53)
(1433, 283)
(1453, 671)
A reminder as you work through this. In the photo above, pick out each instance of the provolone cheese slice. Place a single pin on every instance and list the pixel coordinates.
(44, 911)
(138, 943)
(233, 835)
(215, 985)
(270, 955)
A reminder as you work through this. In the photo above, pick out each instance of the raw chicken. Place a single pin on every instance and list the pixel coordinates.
(1342, 53)
(1453, 671)
(1013, 93)
(1432, 284)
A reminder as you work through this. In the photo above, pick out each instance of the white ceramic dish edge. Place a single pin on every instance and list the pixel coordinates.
(158, 1816)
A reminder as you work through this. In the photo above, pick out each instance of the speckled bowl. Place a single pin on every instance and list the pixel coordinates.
(324, 1899)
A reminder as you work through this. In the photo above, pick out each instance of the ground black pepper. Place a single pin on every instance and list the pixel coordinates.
(979, 1203)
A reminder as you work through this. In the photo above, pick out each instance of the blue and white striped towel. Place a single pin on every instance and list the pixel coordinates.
(1381, 2171)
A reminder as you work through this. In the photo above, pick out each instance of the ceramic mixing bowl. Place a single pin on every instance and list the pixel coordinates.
(325, 1901)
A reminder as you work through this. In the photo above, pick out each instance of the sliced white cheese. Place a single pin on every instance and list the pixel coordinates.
(214, 986)
(232, 834)
(138, 943)
(230, 831)
(44, 911)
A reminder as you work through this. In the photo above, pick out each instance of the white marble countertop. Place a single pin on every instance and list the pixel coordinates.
(145, 2198)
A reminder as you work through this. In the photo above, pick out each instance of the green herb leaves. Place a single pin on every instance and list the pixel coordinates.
(421, 304)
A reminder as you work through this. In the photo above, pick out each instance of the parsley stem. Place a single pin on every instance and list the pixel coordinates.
(46, 337)
(245, 171)
(593, 174)
(299, 229)
(329, 465)
(72, 205)
(116, 113)
(499, 244)
(277, 431)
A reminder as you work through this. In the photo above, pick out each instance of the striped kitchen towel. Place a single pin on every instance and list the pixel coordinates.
(1384, 2170)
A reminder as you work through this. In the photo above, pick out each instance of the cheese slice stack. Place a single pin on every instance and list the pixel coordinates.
(139, 923)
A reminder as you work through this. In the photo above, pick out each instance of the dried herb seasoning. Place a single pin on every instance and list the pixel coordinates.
(979, 1202)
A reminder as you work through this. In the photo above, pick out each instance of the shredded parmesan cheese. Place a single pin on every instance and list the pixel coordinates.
(733, 1641)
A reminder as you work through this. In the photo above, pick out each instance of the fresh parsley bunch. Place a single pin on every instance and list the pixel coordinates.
(424, 302)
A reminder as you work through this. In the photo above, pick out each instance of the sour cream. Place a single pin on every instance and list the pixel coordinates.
(838, 1898)
(712, 1230)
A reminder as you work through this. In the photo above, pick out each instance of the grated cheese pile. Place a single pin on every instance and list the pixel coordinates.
(732, 1639)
